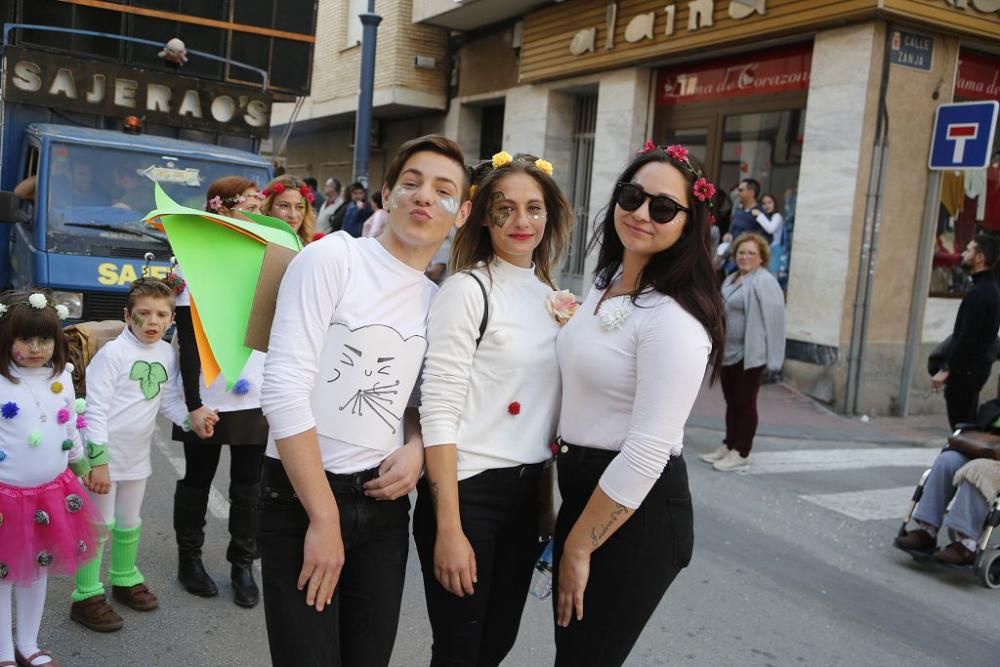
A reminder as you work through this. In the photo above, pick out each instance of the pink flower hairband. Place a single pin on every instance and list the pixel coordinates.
(702, 189)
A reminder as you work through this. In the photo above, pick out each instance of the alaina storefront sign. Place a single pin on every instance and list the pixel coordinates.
(108, 89)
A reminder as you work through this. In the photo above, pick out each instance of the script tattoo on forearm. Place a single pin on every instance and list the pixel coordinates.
(597, 534)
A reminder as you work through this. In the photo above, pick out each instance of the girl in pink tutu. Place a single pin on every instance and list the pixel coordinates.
(47, 524)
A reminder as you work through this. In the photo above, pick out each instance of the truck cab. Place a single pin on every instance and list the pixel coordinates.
(80, 232)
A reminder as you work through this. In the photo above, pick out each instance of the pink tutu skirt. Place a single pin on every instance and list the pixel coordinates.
(53, 528)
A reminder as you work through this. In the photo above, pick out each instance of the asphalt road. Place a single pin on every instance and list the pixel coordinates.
(777, 579)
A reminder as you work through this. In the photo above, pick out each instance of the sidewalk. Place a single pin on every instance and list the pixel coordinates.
(787, 414)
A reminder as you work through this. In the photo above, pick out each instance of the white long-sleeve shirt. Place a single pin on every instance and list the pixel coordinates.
(773, 225)
(467, 392)
(128, 383)
(22, 405)
(347, 342)
(631, 389)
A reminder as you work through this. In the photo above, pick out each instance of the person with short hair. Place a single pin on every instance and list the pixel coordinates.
(332, 204)
(130, 381)
(358, 210)
(346, 347)
(971, 355)
(755, 342)
(313, 185)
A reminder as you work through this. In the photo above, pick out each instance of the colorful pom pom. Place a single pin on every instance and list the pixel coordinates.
(9, 410)
(514, 408)
(80, 406)
(554, 448)
(81, 423)
(242, 387)
(34, 439)
(67, 445)
(3, 455)
(56, 387)
(62, 312)
(63, 415)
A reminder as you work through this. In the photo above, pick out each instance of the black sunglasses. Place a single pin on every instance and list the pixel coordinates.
(662, 209)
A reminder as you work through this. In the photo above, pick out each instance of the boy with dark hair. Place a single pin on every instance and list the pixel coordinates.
(349, 335)
(129, 381)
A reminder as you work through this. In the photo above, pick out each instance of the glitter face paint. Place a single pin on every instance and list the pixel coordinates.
(449, 204)
(498, 213)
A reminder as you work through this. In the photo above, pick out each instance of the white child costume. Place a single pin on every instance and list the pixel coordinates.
(47, 521)
(128, 383)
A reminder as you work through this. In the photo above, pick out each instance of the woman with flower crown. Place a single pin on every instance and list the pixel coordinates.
(289, 199)
(489, 407)
(632, 361)
(241, 426)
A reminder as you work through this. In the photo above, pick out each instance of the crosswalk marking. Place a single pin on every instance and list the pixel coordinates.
(218, 506)
(819, 460)
(872, 505)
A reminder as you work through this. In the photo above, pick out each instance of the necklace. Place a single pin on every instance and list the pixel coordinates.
(41, 413)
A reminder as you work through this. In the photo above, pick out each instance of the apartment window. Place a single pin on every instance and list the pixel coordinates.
(491, 131)
(354, 9)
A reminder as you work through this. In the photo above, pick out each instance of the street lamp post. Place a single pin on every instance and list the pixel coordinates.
(363, 118)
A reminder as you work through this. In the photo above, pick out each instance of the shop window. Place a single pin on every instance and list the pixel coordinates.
(970, 200)
(766, 147)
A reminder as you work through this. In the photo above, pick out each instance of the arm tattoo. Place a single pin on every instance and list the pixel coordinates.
(434, 493)
(597, 534)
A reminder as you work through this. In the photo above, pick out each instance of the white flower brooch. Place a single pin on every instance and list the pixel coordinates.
(614, 311)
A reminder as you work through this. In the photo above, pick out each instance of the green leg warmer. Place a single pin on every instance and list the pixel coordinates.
(124, 549)
(88, 576)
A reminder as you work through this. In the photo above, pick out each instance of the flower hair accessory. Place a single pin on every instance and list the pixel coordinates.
(38, 301)
(307, 193)
(501, 159)
(472, 190)
(703, 190)
(215, 203)
(544, 165)
(174, 281)
(275, 189)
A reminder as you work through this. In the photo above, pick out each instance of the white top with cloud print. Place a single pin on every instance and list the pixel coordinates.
(346, 347)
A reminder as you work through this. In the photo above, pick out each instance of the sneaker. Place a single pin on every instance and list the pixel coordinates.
(716, 454)
(95, 613)
(917, 540)
(955, 554)
(137, 597)
(732, 462)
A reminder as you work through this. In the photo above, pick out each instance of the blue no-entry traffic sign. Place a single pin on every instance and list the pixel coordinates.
(963, 135)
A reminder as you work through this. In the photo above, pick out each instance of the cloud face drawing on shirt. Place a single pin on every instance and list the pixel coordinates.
(364, 382)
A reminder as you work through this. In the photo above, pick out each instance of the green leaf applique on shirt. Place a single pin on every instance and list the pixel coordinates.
(150, 376)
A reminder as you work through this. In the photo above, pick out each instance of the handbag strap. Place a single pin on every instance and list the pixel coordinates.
(486, 307)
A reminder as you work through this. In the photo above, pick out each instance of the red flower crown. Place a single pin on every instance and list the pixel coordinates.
(279, 187)
(702, 189)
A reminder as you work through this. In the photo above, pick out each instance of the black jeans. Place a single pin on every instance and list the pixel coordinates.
(499, 510)
(631, 571)
(201, 460)
(359, 628)
(961, 395)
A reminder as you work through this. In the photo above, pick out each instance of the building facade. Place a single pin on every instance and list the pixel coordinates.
(829, 104)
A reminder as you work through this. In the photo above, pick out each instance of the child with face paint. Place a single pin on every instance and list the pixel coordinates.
(47, 520)
(346, 346)
(129, 381)
(489, 409)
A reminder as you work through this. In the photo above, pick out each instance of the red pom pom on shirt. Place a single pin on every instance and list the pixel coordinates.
(514, 408)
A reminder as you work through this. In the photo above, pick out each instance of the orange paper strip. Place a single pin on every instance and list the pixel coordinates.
(209, 366)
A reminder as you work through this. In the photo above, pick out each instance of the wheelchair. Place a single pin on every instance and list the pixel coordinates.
(986, 566)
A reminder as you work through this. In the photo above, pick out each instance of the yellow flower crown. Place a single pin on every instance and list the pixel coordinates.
(503, 158)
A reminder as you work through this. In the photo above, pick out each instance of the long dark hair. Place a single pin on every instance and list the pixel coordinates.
(472, 242)
(685, 271)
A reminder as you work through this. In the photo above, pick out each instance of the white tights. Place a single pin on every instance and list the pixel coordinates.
(122, 503)
(30, 605)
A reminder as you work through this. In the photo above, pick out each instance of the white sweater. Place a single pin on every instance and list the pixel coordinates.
(128, 383)
(346, 346)
(632, 388)
(23, 464)
(467, 393)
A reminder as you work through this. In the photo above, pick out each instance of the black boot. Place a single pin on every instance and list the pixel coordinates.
(243, 512)
(190, 505)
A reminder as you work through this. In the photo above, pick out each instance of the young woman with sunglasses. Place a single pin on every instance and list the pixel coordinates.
(632, 361)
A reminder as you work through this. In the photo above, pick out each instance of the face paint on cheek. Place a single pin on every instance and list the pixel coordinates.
(449, 204)
(138, 321)
(398, 194)
(498, 216)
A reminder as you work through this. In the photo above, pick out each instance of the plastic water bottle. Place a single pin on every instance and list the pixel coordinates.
(541, 581)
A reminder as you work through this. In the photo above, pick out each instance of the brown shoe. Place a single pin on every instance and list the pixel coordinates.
(95, 613)
(30, 660)
(955, 554)
(917, 540)
(138, 597)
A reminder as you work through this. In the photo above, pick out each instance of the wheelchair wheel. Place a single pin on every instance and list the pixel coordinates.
(989, 569)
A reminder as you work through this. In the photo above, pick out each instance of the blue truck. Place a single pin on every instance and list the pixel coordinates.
(76, 181)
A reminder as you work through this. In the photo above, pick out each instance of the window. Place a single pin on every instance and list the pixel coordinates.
(354, 9)
(491, 131)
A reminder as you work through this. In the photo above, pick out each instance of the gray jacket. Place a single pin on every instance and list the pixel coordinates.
(764, 305)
